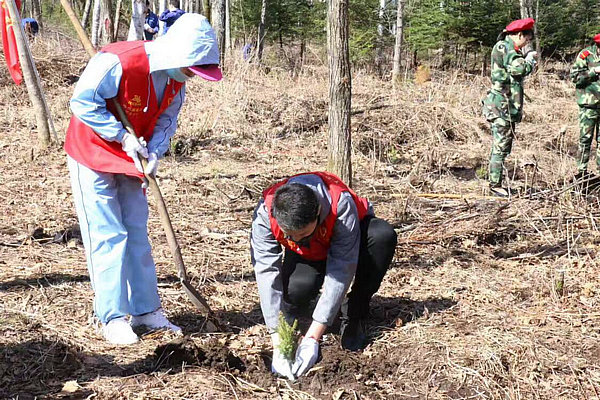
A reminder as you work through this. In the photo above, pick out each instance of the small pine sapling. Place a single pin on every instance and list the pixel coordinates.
(288, 338)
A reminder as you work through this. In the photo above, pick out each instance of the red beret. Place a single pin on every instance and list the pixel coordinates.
(597, 38)
(520, 25)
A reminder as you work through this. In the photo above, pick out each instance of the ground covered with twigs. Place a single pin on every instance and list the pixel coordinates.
(485, 298)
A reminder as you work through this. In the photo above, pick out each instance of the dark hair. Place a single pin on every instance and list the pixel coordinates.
(504, 33)
(528, 32)
(174, 3)
(294, 206)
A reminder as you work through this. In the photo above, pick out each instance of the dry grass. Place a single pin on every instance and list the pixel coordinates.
(470, 309)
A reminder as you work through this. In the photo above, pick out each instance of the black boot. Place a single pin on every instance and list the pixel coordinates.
(353, 333)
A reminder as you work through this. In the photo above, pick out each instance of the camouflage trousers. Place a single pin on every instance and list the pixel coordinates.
(503, 132)
(588, 128)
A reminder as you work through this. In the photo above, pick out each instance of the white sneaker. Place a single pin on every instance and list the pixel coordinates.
(154, 320)
(118, 331)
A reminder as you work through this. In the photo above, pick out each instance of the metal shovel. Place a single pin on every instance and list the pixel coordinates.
(212, 324)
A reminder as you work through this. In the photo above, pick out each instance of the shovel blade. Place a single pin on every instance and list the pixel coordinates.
(196, 298)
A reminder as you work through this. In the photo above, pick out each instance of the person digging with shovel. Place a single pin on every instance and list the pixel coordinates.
(148, 80)
(312, 232)
(503, 105)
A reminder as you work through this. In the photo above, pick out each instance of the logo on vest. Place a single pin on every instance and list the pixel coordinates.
(322, 232)
(134, 106)
(291, 244)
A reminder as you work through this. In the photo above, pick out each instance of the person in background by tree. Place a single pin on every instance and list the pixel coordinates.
(329, 236)
(148, 80)
(171, 14)
(247, 51)
(585, 74)
(150, 24)
(31, 27)
(503, 106)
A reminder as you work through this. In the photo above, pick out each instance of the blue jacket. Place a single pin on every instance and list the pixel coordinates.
(169, 17)
(191, 42)
(32, 23)
(152, 22)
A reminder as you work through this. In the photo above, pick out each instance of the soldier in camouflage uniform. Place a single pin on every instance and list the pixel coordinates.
(585, 74)
(503, 106)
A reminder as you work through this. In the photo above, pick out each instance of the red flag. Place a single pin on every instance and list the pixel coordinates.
(9, 44)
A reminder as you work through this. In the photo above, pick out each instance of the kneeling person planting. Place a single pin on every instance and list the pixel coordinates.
(312, 232)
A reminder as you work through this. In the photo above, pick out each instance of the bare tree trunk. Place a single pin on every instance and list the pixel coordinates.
(136, 27)
(535, 28)
(86, 13)
(379, 51)
(261, 31)
(227, 26)
(218, 24)
(36, 10)
(34, 88)
(340, 91)
(525, 7)
(398, 43)
(107, 23)
(206, 9)
(117, 20)
(96, 23)
(162, 5)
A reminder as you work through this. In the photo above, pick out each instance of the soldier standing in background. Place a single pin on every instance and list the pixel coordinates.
(585, 74)
(503, 106)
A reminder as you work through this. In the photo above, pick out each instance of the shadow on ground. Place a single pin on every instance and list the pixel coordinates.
(42, 281)
(388, 312)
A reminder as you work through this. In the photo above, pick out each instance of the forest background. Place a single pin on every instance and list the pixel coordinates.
(446, 33)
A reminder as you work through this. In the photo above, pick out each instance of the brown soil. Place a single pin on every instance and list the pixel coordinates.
(485, 299)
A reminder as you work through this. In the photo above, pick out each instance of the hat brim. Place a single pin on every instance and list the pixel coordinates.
(210, 72)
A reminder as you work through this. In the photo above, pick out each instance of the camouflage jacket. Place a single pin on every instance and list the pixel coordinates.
(505, 98)
(586, 81)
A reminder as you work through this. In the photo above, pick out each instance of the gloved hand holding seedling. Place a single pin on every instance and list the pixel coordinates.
(285, 342)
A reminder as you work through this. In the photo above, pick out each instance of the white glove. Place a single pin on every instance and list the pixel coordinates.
(531, 57)
(134, 146)
(280, 365)
(152, 165)
(306, 356)
(147, 27)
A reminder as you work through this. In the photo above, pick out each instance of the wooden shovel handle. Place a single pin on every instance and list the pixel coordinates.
(162, 208)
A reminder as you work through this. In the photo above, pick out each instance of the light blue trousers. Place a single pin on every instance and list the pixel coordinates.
(113, 215)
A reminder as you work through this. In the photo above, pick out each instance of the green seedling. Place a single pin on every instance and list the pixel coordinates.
(481, 172)
(288, 336)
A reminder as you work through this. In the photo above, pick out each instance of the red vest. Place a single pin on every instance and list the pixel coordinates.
(321, 239)
(87, 147)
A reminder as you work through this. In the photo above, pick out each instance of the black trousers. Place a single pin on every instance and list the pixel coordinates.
(302, 279)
